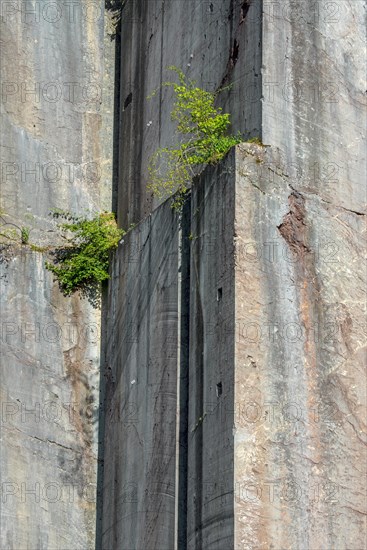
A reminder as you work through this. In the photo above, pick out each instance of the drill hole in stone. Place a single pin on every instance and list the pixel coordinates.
(219, 294)
(128, 100)
(219, 389)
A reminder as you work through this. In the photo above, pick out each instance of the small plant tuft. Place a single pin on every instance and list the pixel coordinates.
(256, 140)
(204, 140)
(24, 235)
(37, 248)
(83, 263)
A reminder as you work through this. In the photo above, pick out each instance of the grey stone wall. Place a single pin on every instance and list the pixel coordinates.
(234, 338)
(141, 387)
(299, 356)
(56, 115)
(314, 97)
(49, 410)
(211, 389)
(52, 89)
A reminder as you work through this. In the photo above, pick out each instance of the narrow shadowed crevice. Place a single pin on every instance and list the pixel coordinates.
(246, 85)
(234, 53)
(140, 206)
(259, 67)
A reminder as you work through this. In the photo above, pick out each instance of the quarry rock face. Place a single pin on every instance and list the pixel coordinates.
(268, 297)
(270, 430)
(54, 132)
(229, 399)
(49, 399)
(299, 385)
(140, 372)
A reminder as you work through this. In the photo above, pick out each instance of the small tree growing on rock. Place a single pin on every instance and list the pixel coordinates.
(83, 263)
(205, 140)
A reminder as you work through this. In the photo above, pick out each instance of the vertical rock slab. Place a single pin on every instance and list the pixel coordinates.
(313, 118)
(52, 68)
(211, 360)
(49, 410)
(275, 386)
(300, 396)
(51, 154)
(141, 353)
(276, 389)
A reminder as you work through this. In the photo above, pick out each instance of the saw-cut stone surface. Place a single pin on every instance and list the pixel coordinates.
(264, 291)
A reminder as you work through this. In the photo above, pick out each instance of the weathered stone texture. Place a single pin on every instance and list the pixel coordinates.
(300, 387)
(234, 340)
(141, 387)
(49, 410)
(210, 472)
(313, 71)
(54, 137)
(274, 393)
(51, 73)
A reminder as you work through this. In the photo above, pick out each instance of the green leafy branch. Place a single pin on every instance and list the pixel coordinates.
(82, 264)
(205, 140)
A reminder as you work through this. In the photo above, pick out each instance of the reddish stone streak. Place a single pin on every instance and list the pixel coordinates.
(293, 229)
